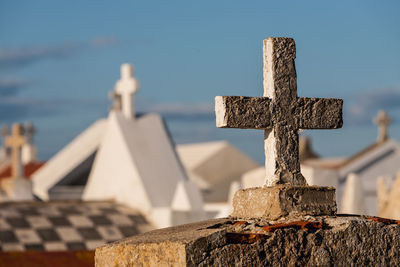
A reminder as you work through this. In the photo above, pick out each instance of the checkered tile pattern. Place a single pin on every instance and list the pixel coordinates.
(60, 226)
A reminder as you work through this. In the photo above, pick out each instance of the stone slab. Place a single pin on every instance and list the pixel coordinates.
(280, 201)
(314, 241)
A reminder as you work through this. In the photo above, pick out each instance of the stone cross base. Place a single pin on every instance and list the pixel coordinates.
(272, 203)
(317, 241)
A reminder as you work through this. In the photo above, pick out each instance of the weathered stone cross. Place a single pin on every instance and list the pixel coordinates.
(280, 113)
(30, 131)
(383, 121)
(15, 142)
(126, 87)
(4, 132)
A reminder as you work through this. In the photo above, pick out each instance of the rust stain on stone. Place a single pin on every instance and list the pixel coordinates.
(383, 220)
(303, 225)
(243, 238)
(239, 223)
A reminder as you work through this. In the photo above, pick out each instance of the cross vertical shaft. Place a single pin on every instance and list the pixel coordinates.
(383, 121)
(280, 85)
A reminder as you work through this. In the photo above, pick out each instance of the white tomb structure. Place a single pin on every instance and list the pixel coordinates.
(216, 168)
(128, 158)
(379, 159)
(388, 192)
(203, 162)
(353, 201)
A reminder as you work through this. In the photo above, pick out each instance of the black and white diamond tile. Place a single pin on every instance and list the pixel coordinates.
(71, 225)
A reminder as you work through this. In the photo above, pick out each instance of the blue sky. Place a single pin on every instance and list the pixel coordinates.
(59, 60)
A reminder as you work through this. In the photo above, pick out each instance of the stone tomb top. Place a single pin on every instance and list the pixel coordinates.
(280, 113)
(325, 241)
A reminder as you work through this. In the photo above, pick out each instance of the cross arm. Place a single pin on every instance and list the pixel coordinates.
(243, 112)
(320, 113)
(14, 141)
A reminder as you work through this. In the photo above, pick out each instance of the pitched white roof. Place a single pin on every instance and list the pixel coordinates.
(193, 155)
(369, 156)
(213, 166)
(140, 154)
(67, 159)
(136, 164)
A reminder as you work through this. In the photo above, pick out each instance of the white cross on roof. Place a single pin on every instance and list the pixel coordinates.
(126, 87)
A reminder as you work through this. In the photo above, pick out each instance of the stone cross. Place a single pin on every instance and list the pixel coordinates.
(30, 131)
(383, 121)
(280, 113)
(15, 142)
(116, 100)
(126, 87)
(4, 132)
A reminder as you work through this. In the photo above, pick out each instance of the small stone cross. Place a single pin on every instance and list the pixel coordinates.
(30, 131)
(15, 142)
(383, 121)
(281, 113)
(126, 87)
(116, 100)
(4, 132)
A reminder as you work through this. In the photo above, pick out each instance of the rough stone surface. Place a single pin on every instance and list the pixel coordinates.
(257, 113)
(281, 113)
(310, 241)
(319, 113)
(281, 201)
(244, 112)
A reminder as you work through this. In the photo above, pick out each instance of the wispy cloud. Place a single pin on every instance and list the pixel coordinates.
(23, 56)
(366, 104)
(188, 111)
(17, 108)
(103, 41)
(14, 106)
(11, 86)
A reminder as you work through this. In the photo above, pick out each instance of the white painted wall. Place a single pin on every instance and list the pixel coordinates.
(353, 201)
(28, 153)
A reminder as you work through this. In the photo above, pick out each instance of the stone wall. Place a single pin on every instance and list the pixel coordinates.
(311, 241)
